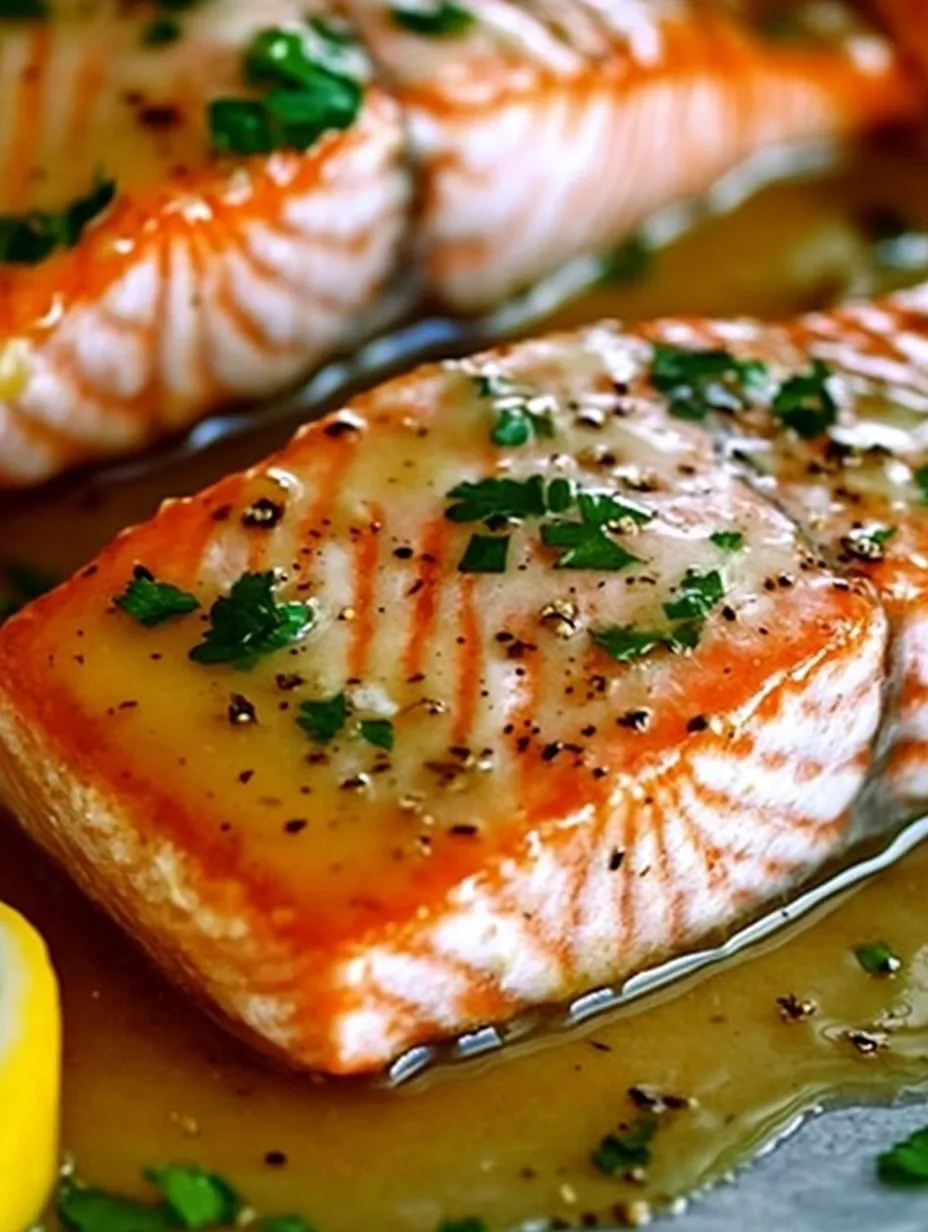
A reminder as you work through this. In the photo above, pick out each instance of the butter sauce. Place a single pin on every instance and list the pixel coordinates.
(506, 1138)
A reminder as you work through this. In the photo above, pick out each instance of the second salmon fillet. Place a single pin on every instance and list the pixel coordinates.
(492, 688)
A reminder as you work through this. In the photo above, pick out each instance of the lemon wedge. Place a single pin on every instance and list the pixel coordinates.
(30, 1065)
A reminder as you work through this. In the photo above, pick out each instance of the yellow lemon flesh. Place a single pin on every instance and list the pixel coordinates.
(30, 1070)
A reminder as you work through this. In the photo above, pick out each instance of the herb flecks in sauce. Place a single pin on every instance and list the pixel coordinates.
(249, 623)
(878, 958)
(151, 602)
(519, 416)
(698, 382)
(727, 540)
(629, 262)
(322, 719)
(27, 239)
(620, 1153)
(433, 18)
(805, 403)
(906, 1163)
(190, 1198)
(485, 554)
(309, 87)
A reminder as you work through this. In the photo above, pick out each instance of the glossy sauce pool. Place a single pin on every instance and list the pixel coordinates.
(507, 1138)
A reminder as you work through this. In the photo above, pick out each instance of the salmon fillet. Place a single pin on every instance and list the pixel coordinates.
(181, 281)
(854, 476)
(199, 280)
(494, 687)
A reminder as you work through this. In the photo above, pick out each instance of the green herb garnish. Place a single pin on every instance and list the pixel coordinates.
(727, 540)
(698, 382)
(805, 403)
(93, 1210)
(906, 1163)
(196, 1199)
(868, 542)
(323, 719)
(485, 554)
(491, 499)
(161, 32)
(617, 1153)
(470, 1224)
(585, 545)
(920, 477)
(625, 643)
(697, 595)
(378, 732)
(433, 18)
(517, 424)
(630, 262)
(516, 419)
(191, 1198)
(310, 89)
(27, 239)
(151, 602)
(878, 958)
(249, 623)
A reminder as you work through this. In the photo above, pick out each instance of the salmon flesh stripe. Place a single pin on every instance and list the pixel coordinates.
(532, 690)
(479, 157)
(858, 486)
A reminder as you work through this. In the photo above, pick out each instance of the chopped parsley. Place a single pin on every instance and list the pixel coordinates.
(697, 595)
(196, 1199)
(433, 18)
(323, 719)
(920, 476)
(630, 262)
(190, 1198)
(631, 1148)
(310, 87)
(625, 643)
(161, 32)
(697, 382)
(492, 499)
(378, 732)
(93, 1210)
(727, 540)
(805, 403)
(20, 584)
(906, 1163)
(868, 542)
(517, 417)
(249, 623)
(485, 554)
(151, 602)
(586, 544)
(878, 958)
(27, 239)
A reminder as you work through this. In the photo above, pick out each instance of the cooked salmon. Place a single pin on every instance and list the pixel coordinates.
(493, 687)
(544, 129)
(197, 207)
(847, 458)
(148, 271)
